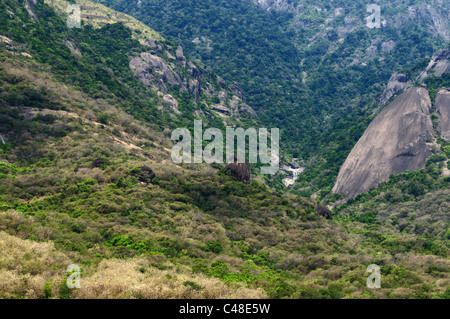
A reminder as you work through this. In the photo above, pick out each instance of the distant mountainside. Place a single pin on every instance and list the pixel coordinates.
(318, 15)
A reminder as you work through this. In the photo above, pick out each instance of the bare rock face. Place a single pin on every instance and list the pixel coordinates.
(6, 40)
(397, 83)
(30, 9)
(148, 67)
(440, 63)
(240, 171)
(145, 174)
(170, 100)
(394, 142)
(388, 46)
(162, 74)
(443, 111)
(195, 82)
(73, 49)
(281, 5)
(99, 163)
(245, 108)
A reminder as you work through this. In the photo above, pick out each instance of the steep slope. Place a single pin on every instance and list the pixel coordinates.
(73, 167)
(397, 83)
(164, 65)
(438, 65)
(168, 89)
(395, 141)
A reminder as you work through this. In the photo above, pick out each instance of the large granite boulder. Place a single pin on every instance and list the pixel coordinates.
(240, 171)
(394, 142)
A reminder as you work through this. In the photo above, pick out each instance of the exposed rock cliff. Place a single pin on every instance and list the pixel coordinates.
(440, 63)
(281, 5)
(394, 142)
(149, 67)
(240, 171)
(166, 71)
(397, 83)
(443, 110)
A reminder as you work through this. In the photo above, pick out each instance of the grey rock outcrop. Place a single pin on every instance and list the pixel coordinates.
(240, 171)
(443, 111)
(195, 82)
(148, 67)
(145, 174)
(281, 5)
(440, 63)
(30, 9)
(394, 142)
(221, 108)
(247, 109)
(167, 73)
(397, 83)
(180, 56)
(169, 100)
(73, 49)
(388, 46)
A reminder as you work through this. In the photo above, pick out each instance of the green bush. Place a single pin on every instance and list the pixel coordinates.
(47, 291)
(214, 246)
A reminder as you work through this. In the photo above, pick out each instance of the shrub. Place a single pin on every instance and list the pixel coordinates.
(193, 285)
(214, 246)
(47, 291)
(445, 295)
(282, 290)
